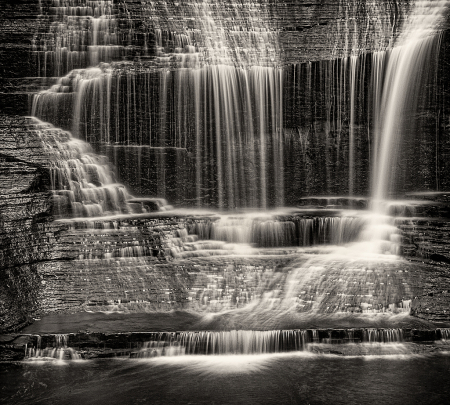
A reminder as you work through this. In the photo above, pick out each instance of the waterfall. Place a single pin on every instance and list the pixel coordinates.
(220, 343)
(214, 117)
(200, 88)
(81, 34)
(149, 345)
(398, 77)
(270, 231)
(404, 69)
(247, 342)
(82, 182)
(220, 96)
(372, 335)
(59, 350)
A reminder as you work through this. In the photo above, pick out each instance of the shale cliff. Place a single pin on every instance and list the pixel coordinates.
(26, 229)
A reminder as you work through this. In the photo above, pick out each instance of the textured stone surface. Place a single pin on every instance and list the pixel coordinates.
(26, 233)
(18, 23)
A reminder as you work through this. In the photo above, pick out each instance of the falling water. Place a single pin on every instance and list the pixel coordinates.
(351, 158)
(81, 34)
(405, 70)
(397, 79)
(82, 182)
(276, 231)
(225, 84)
(208, 98)
(219, 343)
(59, 350)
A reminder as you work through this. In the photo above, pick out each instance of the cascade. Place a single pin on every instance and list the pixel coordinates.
(214, 117)
(219, 343)
(207, 97)
(445, 334)
(270, 231)
(385, 335)
(403, 70)
(283, 257)
(82, 182)
(81, 34)
(59, 351)
(150, 345)
(229, 81)
(259, 342)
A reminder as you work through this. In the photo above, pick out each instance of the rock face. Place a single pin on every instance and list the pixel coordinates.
(26, 230)
(18, 23)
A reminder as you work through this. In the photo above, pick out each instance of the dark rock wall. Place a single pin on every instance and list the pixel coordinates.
(18, 25)
(26, 231)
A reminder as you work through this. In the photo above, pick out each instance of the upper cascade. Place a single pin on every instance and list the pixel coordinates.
(81, 33)
(204, 84)
(220, 33)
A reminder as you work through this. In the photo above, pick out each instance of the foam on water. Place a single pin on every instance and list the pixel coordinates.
(223, 365)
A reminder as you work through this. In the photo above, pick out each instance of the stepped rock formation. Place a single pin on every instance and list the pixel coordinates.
(48, 266)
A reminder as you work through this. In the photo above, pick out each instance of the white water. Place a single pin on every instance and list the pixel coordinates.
(227, 112)
(405, 68)
(81, 34)
(82, 182)
(397, 79)
(59, 351)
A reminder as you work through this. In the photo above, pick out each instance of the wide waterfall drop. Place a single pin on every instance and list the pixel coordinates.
(232, 200)
(203, 110)
(212, 95)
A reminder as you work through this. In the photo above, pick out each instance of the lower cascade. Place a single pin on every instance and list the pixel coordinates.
(59, 350)
(359, 341)
(259, 342)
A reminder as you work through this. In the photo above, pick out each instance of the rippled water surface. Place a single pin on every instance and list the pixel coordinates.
(300, 378)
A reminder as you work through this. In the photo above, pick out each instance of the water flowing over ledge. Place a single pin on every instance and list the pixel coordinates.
(211, 102)
(236, 110)
(236, 342)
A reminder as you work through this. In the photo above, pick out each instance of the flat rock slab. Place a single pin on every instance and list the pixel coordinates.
(98, 322)
(112, 322)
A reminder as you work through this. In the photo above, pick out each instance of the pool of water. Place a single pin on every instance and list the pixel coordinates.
(289, 378)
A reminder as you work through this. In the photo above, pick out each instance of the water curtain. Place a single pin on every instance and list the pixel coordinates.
(201, 87)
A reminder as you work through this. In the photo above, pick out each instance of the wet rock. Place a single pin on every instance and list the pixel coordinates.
(9, 354)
